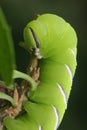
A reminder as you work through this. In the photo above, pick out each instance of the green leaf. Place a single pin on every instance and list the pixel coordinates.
(7, 97)
(7, 58)
(18, 74)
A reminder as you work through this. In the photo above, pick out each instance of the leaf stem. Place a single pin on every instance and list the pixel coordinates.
(18, 74)
(7, 97)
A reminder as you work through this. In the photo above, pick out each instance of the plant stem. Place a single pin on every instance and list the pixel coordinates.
(18, 74)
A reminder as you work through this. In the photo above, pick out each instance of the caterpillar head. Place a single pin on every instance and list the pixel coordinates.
(36, 38)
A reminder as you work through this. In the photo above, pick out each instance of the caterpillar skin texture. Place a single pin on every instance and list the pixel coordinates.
(55, 43)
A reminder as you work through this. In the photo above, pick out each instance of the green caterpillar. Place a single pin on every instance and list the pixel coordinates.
(53, 41)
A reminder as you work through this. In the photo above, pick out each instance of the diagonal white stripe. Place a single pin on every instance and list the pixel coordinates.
(72, 51)
(57, 118)
(69, 71)
(40, 127)
(63, 93)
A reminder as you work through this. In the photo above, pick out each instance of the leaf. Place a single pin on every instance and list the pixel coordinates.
(7, 58)
(18, 74)
(7, 97)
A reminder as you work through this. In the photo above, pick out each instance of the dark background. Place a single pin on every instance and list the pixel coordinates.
(19, 12)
